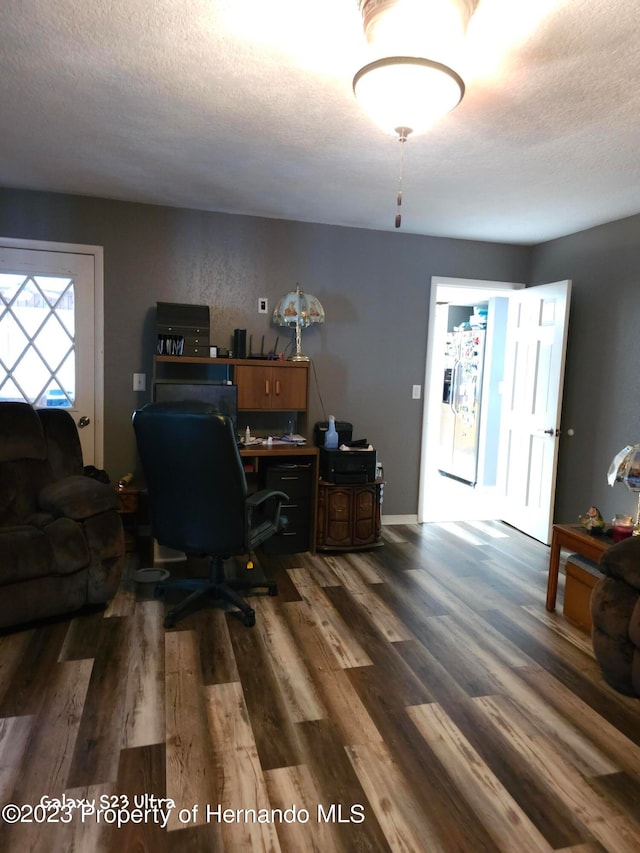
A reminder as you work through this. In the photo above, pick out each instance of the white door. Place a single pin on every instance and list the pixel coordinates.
(531, 404)
(48, 350)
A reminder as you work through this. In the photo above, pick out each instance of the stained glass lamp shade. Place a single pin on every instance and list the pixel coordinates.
(298, 309)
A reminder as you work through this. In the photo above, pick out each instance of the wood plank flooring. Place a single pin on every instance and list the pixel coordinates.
(417, 697)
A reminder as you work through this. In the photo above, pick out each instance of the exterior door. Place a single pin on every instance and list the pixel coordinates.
(48, 351)
(531, 405)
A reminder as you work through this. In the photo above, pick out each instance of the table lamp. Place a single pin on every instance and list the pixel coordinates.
(300, 310)
(625, 468)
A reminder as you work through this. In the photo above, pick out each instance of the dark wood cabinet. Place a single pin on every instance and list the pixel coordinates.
(348, 515)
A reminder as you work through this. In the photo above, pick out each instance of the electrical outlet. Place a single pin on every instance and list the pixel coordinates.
(263, 305)
(415, 392)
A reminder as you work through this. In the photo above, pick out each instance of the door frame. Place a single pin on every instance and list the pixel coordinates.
(97, 252)
(433, 379)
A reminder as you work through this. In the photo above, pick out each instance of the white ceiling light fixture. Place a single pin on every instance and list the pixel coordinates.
(407, 92)
(411, 83)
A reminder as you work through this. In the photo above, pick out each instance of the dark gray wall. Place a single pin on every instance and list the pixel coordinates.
(602, 385)
(374, 287)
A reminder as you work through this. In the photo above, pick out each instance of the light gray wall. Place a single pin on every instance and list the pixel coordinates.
(602, 385)
(374, 287)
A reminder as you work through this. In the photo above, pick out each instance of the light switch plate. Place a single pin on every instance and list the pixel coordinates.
(263, 305)
(415, 392)
(139, 382)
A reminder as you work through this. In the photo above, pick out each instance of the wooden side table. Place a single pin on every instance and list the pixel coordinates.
(349, 516)
(130, 514)
(575, 538)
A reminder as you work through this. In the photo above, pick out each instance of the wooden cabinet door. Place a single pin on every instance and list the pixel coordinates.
(254, 386)
(348, 515)
(337, 527)
(365, 512)
(263, 386)
(289, 388)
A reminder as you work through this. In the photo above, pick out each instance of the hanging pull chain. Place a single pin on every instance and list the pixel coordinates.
(403, 133)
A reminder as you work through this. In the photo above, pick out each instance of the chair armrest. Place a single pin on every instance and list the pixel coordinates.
(258, 498)
(259, 504)
(77, 497)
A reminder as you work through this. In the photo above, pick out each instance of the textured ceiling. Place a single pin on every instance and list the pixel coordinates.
(245, 106)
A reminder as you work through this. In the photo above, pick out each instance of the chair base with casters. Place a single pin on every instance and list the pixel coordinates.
(217, 587)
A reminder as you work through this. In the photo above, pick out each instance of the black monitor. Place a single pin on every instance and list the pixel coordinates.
(223, 397)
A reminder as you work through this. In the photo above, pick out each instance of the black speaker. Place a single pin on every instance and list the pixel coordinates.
(239, 343)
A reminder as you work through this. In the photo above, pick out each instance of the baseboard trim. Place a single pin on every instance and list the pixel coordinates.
(399, 519)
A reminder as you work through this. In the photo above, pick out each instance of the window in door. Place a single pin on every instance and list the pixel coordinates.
(37, 339)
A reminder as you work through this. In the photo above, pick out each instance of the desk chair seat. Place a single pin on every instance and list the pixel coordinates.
(199, 501)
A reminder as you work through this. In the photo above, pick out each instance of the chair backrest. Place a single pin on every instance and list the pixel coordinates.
(64, 450)
(194, 476)
(24, 468)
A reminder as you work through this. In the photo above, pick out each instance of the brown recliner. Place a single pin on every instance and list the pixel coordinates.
(61, 537)
(615, 612)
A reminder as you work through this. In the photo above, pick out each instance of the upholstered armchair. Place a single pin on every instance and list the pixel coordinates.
(61, 537)
(615, 613)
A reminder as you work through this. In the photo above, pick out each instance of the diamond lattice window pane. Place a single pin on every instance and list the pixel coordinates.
(32, 375)
(30, 308)
(9, 285)
(56, 396)
(66, 313)
(64, 383)
(30, 319)
(13, 340)
(37, 323)
(50, 287)
(53, 342)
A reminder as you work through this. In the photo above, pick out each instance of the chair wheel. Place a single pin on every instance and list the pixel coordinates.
(273, 589)
(250, 619)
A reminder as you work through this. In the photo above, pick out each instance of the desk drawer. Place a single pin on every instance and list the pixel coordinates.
(296, 512)
(293, 480)
(290, 541)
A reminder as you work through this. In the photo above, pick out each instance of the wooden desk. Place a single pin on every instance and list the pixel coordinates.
(263, 450)
(574, 538)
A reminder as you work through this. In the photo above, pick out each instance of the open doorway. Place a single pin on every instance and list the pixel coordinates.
(465, 355)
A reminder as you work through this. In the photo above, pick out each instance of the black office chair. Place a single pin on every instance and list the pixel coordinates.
(198, 499)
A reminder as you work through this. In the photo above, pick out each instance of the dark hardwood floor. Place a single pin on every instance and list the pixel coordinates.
(417, 697)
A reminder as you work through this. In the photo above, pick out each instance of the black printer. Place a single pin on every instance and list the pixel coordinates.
(354, 465)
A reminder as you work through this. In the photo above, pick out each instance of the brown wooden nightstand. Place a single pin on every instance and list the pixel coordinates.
(349, 516)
